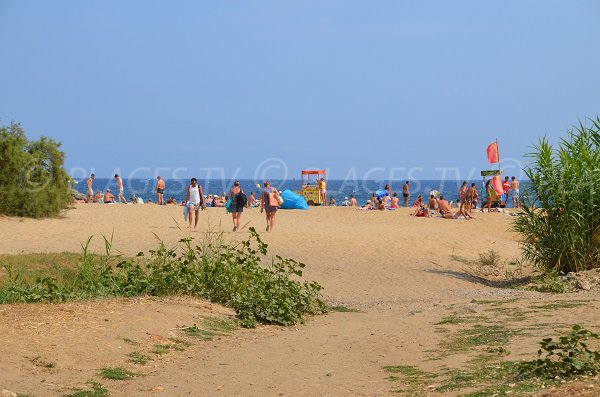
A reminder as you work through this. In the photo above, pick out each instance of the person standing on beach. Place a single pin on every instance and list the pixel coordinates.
(237, 204)
(194, 199)
(488, 192)
(472, 197)
(269, 204)
(323, 191)
(120, 196)
(406, 193)
(160, 191)
(90, 191)
(515, 192)
(462, 194)
(505, 192)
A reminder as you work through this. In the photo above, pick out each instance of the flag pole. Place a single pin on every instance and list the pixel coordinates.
(498, 149)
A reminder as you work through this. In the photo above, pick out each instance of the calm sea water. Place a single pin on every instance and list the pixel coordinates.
(362, 190)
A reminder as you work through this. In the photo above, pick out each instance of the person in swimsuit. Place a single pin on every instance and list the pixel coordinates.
(505, 192)
(462, 194)
(90, 191)
(488, 192)
(160, 191)
(108, 197)
(395, 200)
(515, 192)
(235, 208)
(471, 197)
(194, 199)
(323, 191)
(269, 204)
(353, 202)
(120, 195)
(406, 193)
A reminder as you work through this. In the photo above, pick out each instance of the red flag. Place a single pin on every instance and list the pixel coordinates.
(492, 153)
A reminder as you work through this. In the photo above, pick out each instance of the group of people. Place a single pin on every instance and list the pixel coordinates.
(269, 202)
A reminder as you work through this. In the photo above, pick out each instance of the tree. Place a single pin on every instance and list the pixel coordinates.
(33, 182)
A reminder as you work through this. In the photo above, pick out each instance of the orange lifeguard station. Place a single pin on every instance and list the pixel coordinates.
(310, 191)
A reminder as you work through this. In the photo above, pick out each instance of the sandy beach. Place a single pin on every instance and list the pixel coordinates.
(404, 274)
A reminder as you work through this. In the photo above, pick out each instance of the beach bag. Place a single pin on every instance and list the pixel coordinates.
(241, 199)
(273, 202)
(279, 199)
(228, 205)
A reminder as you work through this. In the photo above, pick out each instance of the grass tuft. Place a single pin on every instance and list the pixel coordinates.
(117, 373)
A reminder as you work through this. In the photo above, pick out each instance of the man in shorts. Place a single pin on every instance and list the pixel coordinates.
(90, 190)
(120, 195)
(160, 190)
(515, 192)
(506, 191)
(406, 193)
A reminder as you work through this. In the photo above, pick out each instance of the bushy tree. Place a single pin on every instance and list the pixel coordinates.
(560, 224)
(33, 182)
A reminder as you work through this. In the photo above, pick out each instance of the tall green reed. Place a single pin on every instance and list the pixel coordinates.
(560, 223)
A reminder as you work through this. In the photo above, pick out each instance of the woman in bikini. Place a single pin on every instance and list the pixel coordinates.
(269, 204)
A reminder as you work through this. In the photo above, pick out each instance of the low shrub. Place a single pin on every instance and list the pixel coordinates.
(569, 356)
(236, 275)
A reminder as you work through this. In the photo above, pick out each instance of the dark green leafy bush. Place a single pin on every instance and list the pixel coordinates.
(233, 275)
(33, 182)
(569, 356)
(560, 223)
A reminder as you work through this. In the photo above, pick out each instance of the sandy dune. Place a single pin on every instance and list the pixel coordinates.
(403, 273)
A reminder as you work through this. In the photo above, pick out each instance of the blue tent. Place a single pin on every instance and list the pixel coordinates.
(380, 193)
(293, 201)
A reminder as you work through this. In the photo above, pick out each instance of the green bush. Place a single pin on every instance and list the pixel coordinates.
(569, 356)
(560, 223)
(33, 182)
(233, 275)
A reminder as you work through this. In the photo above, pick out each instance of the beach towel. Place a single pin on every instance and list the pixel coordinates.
(228, 205)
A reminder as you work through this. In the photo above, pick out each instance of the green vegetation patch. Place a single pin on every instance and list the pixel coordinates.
(138, 358)
(117, 373)
(413, 379)
(97, 391)
(342, 309)
(238, 274)
(478, 335)
(560, 305)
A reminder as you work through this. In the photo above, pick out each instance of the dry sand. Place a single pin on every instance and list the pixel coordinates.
(403, 273)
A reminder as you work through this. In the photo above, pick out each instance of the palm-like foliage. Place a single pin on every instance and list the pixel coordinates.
(561, 211)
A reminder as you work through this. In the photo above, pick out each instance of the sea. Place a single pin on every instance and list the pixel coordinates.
(338, 189)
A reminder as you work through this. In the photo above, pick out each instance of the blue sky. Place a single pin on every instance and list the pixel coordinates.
(387, 89)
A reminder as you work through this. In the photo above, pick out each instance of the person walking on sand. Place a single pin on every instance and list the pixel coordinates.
(194, 199)
(160, 191)
(120, 196)
(515, 192)
(406, 193)
(323, 191)
(90, 190)
(269, 204)
(238, 201)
